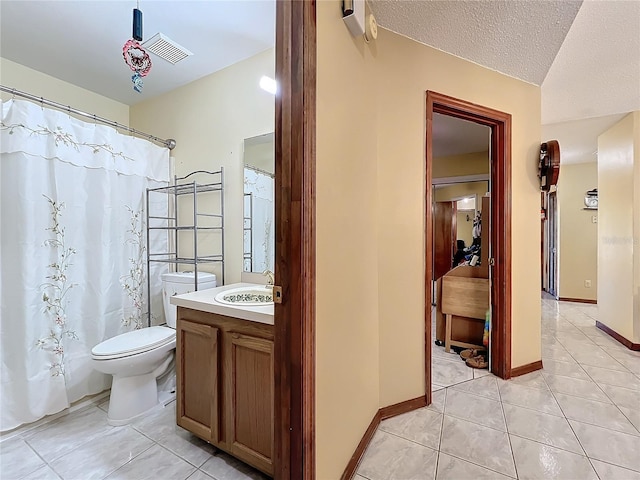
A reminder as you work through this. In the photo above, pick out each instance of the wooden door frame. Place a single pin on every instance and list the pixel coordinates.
(500, 235)
(294, 350)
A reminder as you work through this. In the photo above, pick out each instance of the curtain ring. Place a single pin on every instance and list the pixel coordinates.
(42, 103)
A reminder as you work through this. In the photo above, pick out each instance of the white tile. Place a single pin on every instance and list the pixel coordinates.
(448, 373)
(389, 457)
(564, 369)
(67, 433)
(224, 467)
(421, 426)
(17, 459)
(556, 352)
(480, 372)
(541, 427)
(536, 461)
(43, 473)
(437, 401)
(623, 397)
(606, 471)
(633, 416)
(200, 475)
(532, 380)
(597, 357)
(609, 446)
(475, 409)
(484, 386)
(533, 398)
(99, 457)
(629, 359)
(605, 376)
(576, 387)
(477, 444)
(161, 427)
(452, 468)
(155, 463)
(435, 387)
(596, 413)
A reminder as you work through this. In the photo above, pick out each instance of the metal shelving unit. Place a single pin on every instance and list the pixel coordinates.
(202, 222)
(247, 228)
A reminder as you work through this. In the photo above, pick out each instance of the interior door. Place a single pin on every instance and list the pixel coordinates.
(444, 237)
(553, 244)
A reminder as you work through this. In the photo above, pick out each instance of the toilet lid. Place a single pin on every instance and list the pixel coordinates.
(137, 341)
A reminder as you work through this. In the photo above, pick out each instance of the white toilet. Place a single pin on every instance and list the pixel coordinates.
(136, 359)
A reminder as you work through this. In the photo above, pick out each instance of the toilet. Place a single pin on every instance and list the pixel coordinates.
(136, 359)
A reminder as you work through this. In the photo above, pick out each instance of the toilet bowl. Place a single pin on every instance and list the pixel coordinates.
(136, 359)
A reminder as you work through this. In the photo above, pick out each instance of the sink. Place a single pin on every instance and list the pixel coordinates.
(253, 296)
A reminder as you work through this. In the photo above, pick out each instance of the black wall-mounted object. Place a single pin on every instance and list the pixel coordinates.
(137, 24)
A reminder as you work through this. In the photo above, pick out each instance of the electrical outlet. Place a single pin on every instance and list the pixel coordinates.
(594, 219)
(587, 283)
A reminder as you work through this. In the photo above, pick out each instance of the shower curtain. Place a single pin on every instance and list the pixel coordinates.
(262, 235)
(72, 253)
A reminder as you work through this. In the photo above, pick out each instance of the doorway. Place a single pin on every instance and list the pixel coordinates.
(499, 259)
(550, 236)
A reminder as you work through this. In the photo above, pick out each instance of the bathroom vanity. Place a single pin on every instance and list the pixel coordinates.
(225, 376)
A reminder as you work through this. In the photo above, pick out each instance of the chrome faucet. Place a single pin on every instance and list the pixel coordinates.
(271, 277)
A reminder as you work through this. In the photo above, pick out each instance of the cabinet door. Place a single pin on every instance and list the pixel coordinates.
(198, 379)
(251, 382)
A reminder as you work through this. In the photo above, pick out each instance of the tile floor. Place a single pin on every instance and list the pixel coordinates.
(82, 446)
(578, 418)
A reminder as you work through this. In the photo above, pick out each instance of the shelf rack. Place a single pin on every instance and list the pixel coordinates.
(187, 187)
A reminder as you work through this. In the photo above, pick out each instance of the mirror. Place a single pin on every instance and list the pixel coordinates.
(259, 207)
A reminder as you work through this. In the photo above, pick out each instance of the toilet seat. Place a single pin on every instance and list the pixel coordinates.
(132, 343)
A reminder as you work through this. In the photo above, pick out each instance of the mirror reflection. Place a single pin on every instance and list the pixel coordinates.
(259, 209)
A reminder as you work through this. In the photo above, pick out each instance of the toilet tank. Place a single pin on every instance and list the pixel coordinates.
(177, 283)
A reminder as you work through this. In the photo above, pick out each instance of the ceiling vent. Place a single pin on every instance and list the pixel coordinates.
(166, 48)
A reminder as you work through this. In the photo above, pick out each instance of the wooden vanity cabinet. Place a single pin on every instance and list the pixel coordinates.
(225, 384)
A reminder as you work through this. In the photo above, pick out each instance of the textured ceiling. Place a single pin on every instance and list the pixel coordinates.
(597, 70)
(517, 38)
(81, 41)
(578, 139)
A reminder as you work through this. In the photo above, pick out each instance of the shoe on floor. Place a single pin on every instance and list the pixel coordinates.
(477, 362)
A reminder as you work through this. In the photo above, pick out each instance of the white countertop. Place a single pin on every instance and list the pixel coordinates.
(204, 300)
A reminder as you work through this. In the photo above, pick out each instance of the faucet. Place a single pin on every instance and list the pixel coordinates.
(271, 277)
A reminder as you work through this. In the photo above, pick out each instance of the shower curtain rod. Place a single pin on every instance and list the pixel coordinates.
(170, 143)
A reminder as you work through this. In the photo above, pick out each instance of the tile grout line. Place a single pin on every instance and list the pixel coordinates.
(444, 404)
(571, 426)
(604, 393)
(506, 426)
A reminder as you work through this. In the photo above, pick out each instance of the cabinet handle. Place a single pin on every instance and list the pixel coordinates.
(236, 335)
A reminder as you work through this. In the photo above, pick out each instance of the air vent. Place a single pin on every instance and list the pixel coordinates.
(166, 48)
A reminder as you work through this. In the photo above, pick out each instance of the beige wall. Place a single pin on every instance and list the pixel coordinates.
(209, 119)
(457, 191)
(456, 165)
(578, 252)
(347, 336)
(618, 217)
(25, 79)
(407, 69)
(370, 221)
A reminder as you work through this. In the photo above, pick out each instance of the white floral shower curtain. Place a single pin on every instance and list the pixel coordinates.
(260, 240)
(72, 253)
